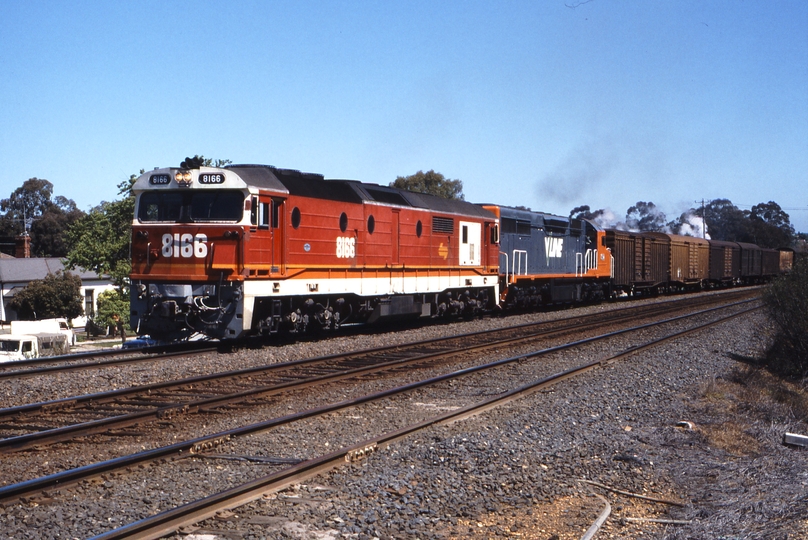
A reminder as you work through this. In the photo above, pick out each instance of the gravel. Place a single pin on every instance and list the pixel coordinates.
(513, 471)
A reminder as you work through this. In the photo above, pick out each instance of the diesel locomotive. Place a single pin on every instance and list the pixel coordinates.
(547, 259)
(253, 249)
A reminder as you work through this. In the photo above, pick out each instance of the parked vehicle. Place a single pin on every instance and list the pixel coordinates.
(47, 326)
(15, 347)
(140, 343)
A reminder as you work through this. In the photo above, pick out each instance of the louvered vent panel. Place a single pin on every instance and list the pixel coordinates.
(442, 225)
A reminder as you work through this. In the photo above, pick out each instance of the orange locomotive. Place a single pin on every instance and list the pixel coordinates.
(252, 249)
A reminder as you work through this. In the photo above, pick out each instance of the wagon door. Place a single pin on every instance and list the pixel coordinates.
(258, 244)
(470, 240)
(265, 246)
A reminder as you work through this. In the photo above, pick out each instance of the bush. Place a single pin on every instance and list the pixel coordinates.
(111, 304)
(786, 301)
(58, 295)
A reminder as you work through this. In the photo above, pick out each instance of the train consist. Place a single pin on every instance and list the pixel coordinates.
(253, 249)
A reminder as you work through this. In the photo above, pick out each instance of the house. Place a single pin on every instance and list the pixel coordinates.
(17, 272)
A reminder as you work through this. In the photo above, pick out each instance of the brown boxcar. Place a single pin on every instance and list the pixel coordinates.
(770, 263)
(623, 246)
(786, 260)
(640, 261)
(725, 262)
(751, 262)
(689, 258)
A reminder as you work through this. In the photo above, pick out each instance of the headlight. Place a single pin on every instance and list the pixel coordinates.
(183, 178)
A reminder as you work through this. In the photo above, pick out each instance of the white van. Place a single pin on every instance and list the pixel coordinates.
(48, 326)
(14, 347)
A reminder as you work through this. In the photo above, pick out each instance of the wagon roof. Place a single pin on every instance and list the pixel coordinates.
(723, 243)
(677, 237)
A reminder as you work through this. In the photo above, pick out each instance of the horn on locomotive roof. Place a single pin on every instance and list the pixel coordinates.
(192, 162)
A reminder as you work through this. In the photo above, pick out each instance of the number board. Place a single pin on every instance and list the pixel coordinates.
(160, 179)
(211, 178)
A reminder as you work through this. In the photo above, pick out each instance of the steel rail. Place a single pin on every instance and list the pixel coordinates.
(575, 323)
(69, 432)
(154, 527)
(147, 354)
(9, 370)
(200, 444)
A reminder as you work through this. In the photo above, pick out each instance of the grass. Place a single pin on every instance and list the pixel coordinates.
(743, 400)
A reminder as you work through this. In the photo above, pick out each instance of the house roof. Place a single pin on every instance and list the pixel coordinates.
(26, 270)
(13, 292)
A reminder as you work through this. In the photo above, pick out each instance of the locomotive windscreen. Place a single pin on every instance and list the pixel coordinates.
(191, 206)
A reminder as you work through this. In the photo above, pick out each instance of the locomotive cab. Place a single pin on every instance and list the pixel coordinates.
(189, 249)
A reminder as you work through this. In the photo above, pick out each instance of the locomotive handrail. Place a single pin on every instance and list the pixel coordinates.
(584, 262)
(611, 264)
(507, 268)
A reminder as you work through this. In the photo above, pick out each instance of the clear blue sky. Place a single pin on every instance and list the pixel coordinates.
(532, 103)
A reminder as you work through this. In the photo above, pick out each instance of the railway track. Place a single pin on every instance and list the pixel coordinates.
(55, 365)
(202, 445)
(39, 424)
(110, 358)
(168, 521)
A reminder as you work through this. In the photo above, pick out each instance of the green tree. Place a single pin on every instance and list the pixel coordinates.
(430, 182)
(725, 221)
(49, 231)
(28, 200)
(99, 241)
(31, 207)
(112, 304)
(770, 225)
(58, 295)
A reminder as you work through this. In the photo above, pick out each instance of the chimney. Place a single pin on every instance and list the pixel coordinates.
(22, 246)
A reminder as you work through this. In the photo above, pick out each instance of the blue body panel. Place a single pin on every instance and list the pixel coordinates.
(533, 243)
